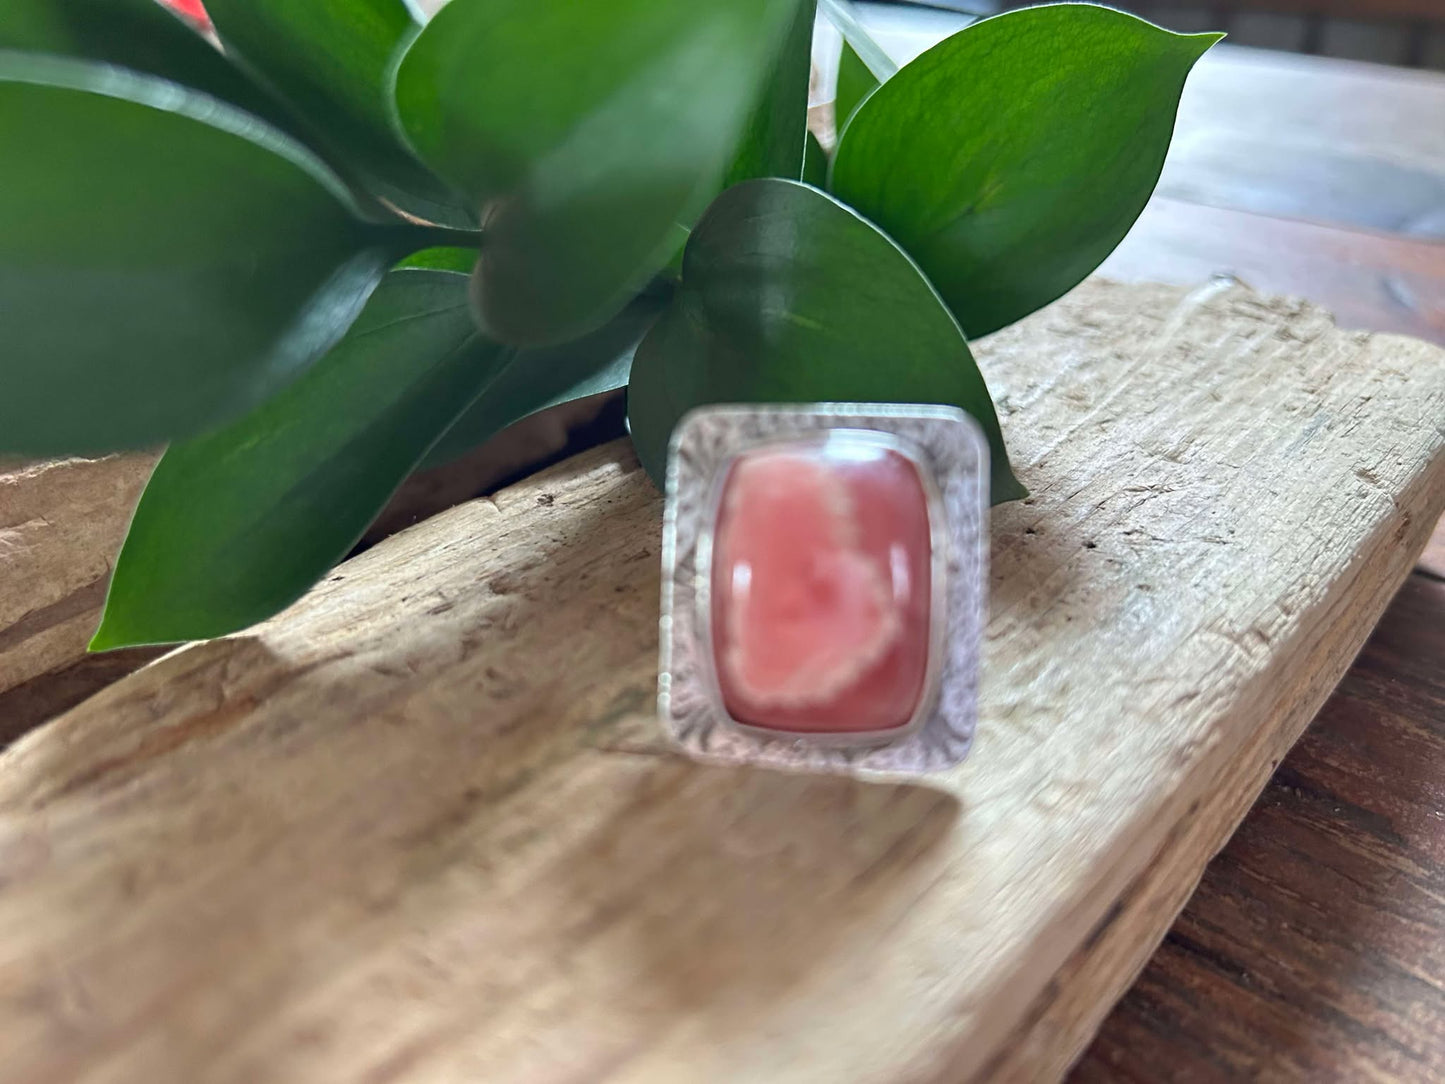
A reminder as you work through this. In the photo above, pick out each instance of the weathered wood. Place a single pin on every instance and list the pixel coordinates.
(61, 524)
(1315, 946)
(520, 450)
(419, 827)
(1321, 964)
(42, 698)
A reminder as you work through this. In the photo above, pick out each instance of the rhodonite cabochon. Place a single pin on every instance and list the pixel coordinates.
(823, 586)
(820, 584)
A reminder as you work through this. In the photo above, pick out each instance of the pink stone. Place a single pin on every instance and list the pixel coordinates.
(821, 585)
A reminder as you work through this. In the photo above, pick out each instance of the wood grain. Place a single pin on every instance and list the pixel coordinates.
(61, 524)
(35, 702)
(419, 827)
(1315, 946)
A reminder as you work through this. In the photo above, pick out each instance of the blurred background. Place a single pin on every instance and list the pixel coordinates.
(1308, 158)
(1410, 33)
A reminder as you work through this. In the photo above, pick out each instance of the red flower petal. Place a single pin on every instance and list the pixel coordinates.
(192, 9)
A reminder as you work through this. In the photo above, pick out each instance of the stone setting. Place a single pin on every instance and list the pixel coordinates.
(948, 454)
(821, 587)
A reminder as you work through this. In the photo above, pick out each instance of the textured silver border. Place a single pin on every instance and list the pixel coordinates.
(953, 454)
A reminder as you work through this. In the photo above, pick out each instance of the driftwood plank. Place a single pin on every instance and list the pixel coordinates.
(1314, 948)
(419, 828)
(61, 524)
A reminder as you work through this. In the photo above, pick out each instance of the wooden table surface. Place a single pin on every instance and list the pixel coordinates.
(1314, 947)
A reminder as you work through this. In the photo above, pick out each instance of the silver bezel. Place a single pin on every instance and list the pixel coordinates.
(951, 455)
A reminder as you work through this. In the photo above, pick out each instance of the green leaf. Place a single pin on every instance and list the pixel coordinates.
(815, 163)
(1010, 159)
(588, 131)
(166, 262)
(773, 143)
(855, 83)
(460, 260)
(533, 380)
(236, 525)
(151, 39)
(334, 62)
(788, 296)
(137, 34)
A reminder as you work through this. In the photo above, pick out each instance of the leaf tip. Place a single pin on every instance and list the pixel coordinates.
(106, 639)
(113, 635)
(1199, 44)
(1007, 489)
